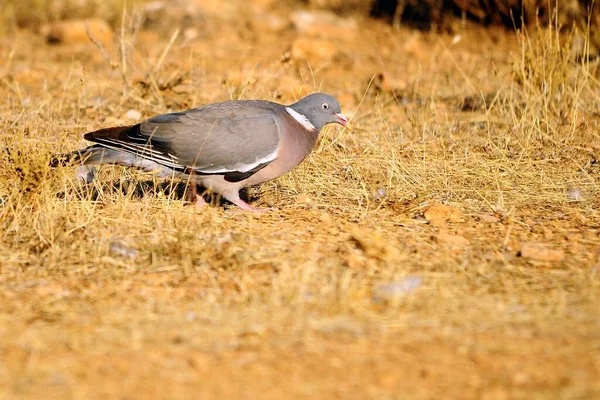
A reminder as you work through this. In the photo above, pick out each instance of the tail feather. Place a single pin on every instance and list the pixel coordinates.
(91, 155)
(95, 154)
(118, 133)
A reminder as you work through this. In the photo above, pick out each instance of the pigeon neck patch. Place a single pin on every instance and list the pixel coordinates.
(302, 120)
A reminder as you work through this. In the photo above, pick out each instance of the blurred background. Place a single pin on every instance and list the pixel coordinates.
(440, 15)
(448, 247)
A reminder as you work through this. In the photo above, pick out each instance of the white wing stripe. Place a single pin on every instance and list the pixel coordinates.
(142, 150)
(151, 154)
(239, 167)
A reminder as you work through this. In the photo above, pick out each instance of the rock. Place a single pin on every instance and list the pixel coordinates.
(78, 31)
(314, 51)
(133, 115)
(452, 240)
(575, 194)
(488, 218)
(325, 219)
(324, 24)
(398, 289)
(380, 194)
(303, 198)
(271, 22)
(121, 249)
(191, 33)
(438, 214)
(540, 252)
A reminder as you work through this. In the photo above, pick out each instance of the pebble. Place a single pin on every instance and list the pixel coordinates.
(380, 194)
(120, 249)
(323, 24)
(133, 115)
(303, 198)
(452, 240)
(443, 212)
(575, 194)
(325, 219)
(398, 288)
(488, 218)
(540, 252)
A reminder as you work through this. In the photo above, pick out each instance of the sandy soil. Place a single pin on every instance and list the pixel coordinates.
(448, 247)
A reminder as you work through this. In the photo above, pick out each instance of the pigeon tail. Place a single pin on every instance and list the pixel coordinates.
(96, 154)
(91, 155)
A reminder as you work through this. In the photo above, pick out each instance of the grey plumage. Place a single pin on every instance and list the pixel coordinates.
(224, 146)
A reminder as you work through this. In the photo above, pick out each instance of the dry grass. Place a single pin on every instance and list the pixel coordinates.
(120, 289)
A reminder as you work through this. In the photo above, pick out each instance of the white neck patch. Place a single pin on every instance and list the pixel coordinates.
(302, 120)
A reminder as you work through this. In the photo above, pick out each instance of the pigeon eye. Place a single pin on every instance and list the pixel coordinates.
(325, 106)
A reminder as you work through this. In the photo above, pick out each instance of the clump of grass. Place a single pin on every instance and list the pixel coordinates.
(119, 279)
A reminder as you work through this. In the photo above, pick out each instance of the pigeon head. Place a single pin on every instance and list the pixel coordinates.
(321, 109)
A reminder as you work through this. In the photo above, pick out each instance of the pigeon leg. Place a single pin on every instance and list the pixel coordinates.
(235, 199)
(200, 202)
(247, 207)
(192, 189)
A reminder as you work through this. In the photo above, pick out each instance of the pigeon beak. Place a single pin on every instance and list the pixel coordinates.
(342, 120)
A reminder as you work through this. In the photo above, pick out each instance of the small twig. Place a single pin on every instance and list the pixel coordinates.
(123, 54)
(107, 58)
(161, 60)
(99, 45)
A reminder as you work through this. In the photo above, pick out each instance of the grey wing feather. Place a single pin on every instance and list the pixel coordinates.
(219, 138)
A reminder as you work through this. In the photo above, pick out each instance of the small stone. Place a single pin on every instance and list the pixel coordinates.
(398, 288)
(575, 194)
(133, 115)
(121, 249)
(324, 24)
(190, 316)
(438, 222)
(325, 219)
(380, 194)
(191, 33)
(272, 22)
(303, 198)
(452, 240)
(488, 218)
(540, 252)
(443, 212)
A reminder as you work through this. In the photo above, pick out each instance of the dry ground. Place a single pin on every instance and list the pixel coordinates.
(120, 289)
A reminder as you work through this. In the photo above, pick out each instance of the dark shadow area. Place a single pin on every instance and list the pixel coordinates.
(135, 189)
(437, 14)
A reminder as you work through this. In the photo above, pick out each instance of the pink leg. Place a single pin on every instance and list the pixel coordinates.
(235, 199)
(193, 188)
(247, 207)
(200, 202)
